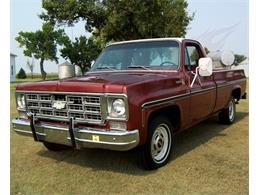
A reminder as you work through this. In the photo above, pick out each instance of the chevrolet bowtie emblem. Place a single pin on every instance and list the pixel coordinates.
(59, 105)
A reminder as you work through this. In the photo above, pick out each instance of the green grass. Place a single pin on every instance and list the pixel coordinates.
(36, 77)
(208, 159)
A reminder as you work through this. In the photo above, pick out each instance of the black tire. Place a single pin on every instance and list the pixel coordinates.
(149, 159)
(227, 116)
(55, 147)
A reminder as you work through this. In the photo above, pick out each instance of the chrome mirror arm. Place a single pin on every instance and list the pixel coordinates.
(196, 75)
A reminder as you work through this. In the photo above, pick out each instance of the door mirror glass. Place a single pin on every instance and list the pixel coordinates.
(205, 67)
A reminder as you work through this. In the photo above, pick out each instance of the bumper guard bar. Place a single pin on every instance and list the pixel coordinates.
(76, 137)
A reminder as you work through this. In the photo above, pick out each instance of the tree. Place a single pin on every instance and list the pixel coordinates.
(239, 59)
(81, 52)
(206, 50)
(42, 44)
(30, 65)
(114, 20)
(21, 74)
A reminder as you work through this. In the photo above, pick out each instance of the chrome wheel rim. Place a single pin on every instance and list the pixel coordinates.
(231, 110)
(160, 144)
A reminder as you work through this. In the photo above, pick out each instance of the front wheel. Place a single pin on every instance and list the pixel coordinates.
(227, 116)
(156, 152)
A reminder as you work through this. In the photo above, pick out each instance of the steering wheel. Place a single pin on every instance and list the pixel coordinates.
(167, 62)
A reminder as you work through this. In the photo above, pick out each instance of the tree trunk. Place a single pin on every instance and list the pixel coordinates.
(44, 74)
(82, 69)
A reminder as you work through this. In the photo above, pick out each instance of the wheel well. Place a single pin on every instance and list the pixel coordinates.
(171, 112)
(236, 93)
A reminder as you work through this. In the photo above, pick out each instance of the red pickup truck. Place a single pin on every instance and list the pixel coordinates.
(137, 93)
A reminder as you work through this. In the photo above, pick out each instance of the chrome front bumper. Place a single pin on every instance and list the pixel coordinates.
(75, 137)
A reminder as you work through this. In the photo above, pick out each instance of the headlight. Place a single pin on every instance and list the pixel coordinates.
(20, 102)
(116, 107)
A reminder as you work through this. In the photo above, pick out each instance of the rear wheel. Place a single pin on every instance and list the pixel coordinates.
(55, 147)
(156, 152)
(228, 115)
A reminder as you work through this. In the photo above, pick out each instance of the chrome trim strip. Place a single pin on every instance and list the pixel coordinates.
(106, 143)
(134, 71)
(111, 133)
(21, 122)
(177, 97)
(22, 131)
(38, 133)
(224, 85)
(52, 127)
(230, 83)
(216, 70)
(148, 40)
(203, 90)
(163, 100)
(71, 93)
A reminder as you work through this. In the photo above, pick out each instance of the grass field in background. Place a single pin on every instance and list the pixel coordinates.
(209, 158)
(36, 77)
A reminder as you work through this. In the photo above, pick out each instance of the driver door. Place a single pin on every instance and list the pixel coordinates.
(203, 92)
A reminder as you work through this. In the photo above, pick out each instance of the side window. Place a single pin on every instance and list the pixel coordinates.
(186, 58)
(193, 55)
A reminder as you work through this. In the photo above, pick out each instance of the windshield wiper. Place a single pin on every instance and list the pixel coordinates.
(139, 66)
(106, 67)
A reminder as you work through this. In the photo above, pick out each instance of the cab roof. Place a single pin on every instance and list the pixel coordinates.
(153, 39)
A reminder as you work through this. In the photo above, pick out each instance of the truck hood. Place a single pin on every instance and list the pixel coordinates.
(105, 82)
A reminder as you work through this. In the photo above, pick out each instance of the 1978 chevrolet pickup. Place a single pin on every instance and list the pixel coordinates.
(137, 93)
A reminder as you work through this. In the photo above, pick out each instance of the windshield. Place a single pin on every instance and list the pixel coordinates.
(157, 55)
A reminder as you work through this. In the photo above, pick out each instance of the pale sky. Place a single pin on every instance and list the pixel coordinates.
(218, 24)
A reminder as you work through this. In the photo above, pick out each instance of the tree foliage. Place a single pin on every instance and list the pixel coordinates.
(114, 20)
(81, 52)
(42, 44)
(239, 59)
(21, 74)
(206, 50)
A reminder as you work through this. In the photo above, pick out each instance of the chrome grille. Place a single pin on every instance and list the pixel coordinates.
(33, 104)
(46, 112)
(92, 109)
(46, 105)
(34, 111)
(83, 108)
(45, 97)
(32, 97)
(75, 107)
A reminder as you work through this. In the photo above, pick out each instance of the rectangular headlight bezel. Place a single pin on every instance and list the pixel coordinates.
(109, 99)
(17, 94)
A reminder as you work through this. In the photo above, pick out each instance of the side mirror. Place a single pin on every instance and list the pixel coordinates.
(205, 67)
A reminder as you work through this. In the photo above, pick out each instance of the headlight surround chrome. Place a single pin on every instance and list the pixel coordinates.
(20, 100)
(117, 107)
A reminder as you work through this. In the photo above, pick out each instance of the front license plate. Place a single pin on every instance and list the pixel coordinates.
(95, 138)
